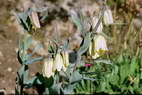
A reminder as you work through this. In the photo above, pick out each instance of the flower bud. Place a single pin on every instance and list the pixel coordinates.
(48, 68)
(35, 19)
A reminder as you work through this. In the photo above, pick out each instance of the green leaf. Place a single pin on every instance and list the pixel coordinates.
(76, 20)
(65, 45)
(134, 66)
(40, 78)
(75, 77)
(21, 18)
(25, 73)
(114, 79)
(87, 78)
(24, 20)
(29, 83)
(83, 85)
(46, 92)
(30, 61)
(102, 86)
(22, 74)
(55, 89)
(85, 45)
(27, 42)
(103, 61)
(120, 59)
(124, 72)
(88, 83)
(69, 88)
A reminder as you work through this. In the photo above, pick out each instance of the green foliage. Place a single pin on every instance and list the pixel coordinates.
(24, 58)
(77, 21)
(124, 76)
(85, 45)
(85, 87)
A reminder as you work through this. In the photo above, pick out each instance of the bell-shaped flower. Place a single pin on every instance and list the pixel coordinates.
(47, 69)
(95, 22)
(66, 60)
(99, 46)
(58, 62)
(108, 18)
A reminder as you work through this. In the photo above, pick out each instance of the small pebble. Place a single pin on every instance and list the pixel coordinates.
(3, 81)
(1, 55)
(9, 69)
(10, 41)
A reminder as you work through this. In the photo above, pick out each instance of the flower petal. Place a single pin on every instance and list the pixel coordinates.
(108, 19)
(58, 63)
(47, 68)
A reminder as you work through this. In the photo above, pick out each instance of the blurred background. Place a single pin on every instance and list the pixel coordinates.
(126, 32)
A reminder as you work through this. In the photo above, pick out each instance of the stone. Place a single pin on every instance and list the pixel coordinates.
(1, 54)
(9, 69)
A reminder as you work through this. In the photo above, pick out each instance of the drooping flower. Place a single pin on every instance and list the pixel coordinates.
(58, 62)
(97, 47)
(108, 19)
(48, 68)
(65, 60)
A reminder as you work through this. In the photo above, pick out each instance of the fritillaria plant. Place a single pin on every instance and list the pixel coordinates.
(60, 73)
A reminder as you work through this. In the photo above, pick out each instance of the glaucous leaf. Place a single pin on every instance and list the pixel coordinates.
(75, 77)
(85, 45)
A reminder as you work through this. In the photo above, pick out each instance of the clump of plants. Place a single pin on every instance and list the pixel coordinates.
(83, 70)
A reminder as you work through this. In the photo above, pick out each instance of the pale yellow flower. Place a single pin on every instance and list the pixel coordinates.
(48, 68)
(99, 46)
(108, 19)
(58, 62)
(66, 60)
